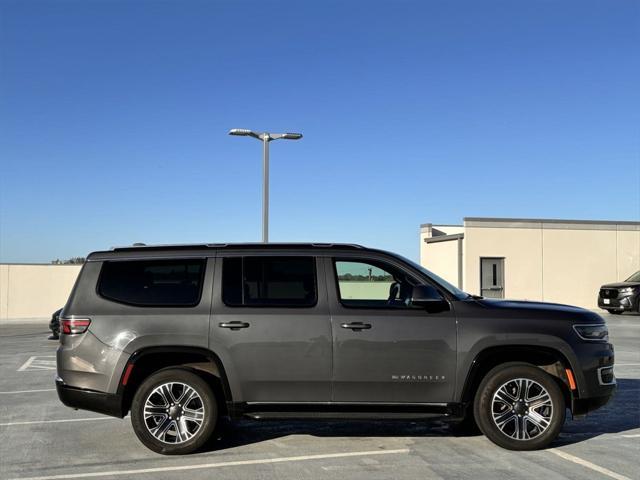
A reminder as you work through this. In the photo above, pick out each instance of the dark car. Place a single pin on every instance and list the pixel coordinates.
(54, 325)
(183, 335)
(622, 296)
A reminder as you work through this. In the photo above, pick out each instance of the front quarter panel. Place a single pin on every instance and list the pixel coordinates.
(481, 327)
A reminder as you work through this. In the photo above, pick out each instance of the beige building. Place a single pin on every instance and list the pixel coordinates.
(563, 261)
(34, 291)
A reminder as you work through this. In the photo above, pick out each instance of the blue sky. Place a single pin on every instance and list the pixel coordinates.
(114, 119)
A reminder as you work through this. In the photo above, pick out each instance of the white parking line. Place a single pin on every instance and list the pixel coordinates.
(38, 363)
(586, 464)
(92, 419)
(217, 465)
(29, 391)
(26, 364)
(631, 436)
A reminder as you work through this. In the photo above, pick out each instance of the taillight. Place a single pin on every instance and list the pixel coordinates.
(73, 326)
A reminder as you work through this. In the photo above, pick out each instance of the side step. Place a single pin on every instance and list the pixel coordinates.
(344, 415)
(349, 411)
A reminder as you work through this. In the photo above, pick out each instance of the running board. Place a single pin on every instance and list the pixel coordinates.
(298, 415)
(348, 410)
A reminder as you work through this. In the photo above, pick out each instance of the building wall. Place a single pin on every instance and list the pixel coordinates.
(522, 251)
(553, 261)
(364, 290)
(442, 259)
(32, 291)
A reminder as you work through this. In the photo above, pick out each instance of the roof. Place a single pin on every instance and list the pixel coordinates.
(550, 220)
(551, 223)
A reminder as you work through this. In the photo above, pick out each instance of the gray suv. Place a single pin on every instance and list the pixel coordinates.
(182, 335)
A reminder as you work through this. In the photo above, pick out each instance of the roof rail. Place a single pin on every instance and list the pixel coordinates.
(257, 245)
(135, 247)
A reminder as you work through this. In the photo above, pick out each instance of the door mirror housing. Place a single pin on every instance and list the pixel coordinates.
(428, 297)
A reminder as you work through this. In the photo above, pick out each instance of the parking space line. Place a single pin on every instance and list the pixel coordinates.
(38, 363)
(29, 391)
(26, 364)
(587, 464)
(92, 419)
(217, 465)
(631, 436)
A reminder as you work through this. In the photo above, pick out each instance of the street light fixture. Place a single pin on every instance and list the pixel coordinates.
(265, 138)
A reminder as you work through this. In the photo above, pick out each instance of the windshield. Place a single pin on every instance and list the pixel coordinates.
(634, 278)
(459, 294)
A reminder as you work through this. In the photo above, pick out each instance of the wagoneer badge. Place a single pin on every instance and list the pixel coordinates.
(419, 378)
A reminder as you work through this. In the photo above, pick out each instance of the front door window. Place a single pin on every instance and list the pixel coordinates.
(371, 285)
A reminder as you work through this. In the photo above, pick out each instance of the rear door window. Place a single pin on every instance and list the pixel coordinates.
(153, 283)
(269, 281)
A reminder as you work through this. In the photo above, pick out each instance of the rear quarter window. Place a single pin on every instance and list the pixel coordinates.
(153, 283)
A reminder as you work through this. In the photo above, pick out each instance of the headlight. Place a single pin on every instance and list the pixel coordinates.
(592, 332)
(624, 291)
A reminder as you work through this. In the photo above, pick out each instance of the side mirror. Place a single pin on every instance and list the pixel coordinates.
(428, 297)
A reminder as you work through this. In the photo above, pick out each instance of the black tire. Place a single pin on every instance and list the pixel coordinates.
(205, 399)
(615, 312)
(484, 407)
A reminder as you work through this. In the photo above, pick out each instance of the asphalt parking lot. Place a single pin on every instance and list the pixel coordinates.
(40, 438)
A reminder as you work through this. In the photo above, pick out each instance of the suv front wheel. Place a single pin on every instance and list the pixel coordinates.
(174, 412)
(519, 407)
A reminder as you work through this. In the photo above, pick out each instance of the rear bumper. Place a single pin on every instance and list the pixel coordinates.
(82, 399)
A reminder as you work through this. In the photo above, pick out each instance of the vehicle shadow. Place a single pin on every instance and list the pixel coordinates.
(237, 433)
(620, 415)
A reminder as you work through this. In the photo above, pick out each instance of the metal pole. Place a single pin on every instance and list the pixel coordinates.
(265, 187)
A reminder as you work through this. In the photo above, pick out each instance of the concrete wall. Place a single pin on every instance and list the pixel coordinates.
(554, 261)
(364, 290)
(442, 259)
(32, 291)
(522, 251)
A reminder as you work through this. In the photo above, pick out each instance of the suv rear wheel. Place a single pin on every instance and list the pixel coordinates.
(519, 407)
(174, 412)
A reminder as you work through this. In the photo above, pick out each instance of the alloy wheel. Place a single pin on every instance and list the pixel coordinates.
(174, 412)
(522, 409)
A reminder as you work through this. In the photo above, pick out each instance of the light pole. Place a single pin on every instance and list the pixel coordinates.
(265, 138)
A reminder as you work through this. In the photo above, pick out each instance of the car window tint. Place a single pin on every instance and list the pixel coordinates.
(153, 282)
(269, 281)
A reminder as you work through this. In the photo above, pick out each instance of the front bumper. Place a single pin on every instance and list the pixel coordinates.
(597, 381)
(582, 406)
(82, 399)
(621, 304)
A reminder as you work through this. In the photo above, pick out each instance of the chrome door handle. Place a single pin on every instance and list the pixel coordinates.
(234, 325)
(356, 326)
